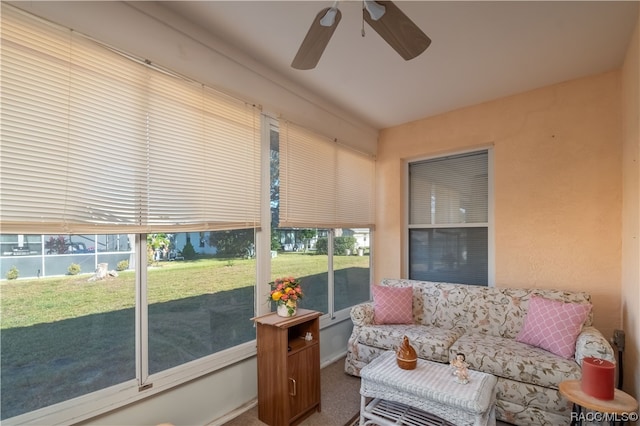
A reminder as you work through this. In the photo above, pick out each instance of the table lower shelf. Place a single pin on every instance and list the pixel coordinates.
(389, 413)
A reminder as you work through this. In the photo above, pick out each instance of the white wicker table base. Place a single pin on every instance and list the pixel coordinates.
(388, 413)
(429, 388)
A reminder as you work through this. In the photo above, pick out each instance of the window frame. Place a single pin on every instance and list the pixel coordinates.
(490, 206)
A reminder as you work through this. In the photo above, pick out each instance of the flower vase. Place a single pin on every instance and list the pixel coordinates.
(285, 311)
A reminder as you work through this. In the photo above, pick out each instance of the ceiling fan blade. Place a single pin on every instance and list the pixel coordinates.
(398, 31)
(316, 40)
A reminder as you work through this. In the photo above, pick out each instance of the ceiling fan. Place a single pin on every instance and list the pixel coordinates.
(383, 16)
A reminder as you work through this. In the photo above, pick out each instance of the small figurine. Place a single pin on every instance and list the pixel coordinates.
(461, 369)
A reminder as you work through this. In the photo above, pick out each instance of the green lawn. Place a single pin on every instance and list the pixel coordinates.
(34, 301)
(67, 336)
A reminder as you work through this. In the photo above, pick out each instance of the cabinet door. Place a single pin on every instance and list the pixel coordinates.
(304, 381)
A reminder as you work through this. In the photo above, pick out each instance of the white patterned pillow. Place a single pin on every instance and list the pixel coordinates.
(392, 305)
(553, 325)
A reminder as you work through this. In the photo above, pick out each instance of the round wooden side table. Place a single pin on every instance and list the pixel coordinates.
(621, 409)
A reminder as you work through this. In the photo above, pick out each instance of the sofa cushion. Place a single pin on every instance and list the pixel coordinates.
(392, 305)
(431, 343)
(520, 362)
(553, 325)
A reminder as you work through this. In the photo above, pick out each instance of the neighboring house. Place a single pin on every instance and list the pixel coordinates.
(362, 236)
(199, 240)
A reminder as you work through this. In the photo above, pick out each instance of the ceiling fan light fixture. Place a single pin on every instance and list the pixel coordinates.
(376, 10)
(329, 18)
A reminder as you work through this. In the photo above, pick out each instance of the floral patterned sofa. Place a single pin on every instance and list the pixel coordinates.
(483, 323)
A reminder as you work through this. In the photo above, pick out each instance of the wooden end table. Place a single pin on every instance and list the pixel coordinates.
(621, 409)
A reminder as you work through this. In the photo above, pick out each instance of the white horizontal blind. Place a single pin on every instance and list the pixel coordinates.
(449, 190)
(204, 149)
(176, 148)
(106, 155)
(232, 161)
(93, 142)
(323, 184)
(35, 93)
(307, 181)
(356, 189)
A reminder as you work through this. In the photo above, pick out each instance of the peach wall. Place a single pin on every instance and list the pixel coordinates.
(557, 186)
(631, 213)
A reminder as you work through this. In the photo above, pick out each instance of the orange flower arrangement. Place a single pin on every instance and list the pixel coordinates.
(286, 291)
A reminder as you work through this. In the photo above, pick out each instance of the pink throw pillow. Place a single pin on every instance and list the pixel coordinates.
(392, 305)
(553, 325)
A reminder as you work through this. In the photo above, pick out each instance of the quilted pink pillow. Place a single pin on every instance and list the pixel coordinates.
(392, 305)
(553, 325)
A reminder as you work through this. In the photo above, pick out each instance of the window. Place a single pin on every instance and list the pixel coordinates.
(351, 267)
(130, 205)
(195, 296)
(449, 219)
(317, 190)
(66, 332)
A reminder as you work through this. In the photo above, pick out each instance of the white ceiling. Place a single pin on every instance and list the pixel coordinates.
(480, 50)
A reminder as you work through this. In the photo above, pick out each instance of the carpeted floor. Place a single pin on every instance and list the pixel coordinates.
(354, 421)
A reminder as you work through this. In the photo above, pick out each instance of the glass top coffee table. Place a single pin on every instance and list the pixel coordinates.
(393, 396)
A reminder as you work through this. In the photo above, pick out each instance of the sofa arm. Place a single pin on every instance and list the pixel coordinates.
(362, 314)
(591, 343)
